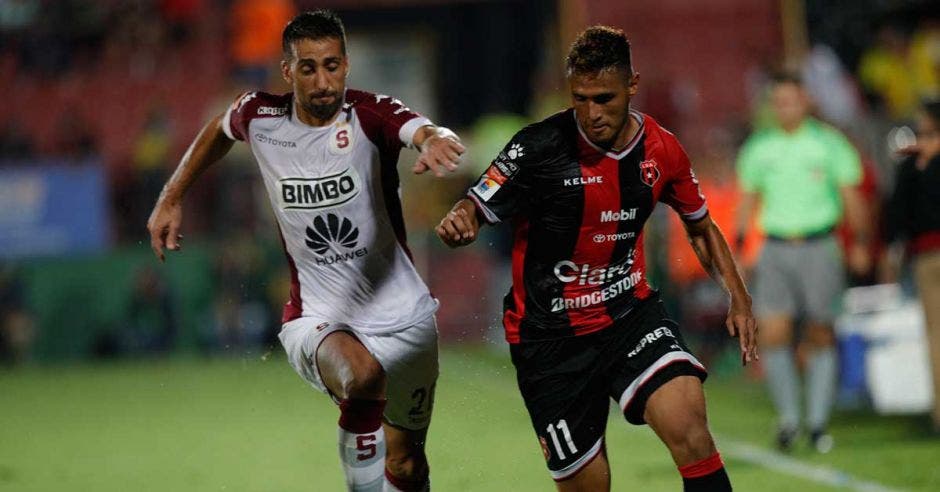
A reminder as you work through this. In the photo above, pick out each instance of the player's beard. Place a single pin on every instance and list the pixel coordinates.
(323, 112)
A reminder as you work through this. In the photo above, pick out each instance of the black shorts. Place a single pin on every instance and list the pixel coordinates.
(566, 383)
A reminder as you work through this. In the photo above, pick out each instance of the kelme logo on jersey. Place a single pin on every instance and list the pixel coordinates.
(584, 180)
(317, 193)
(334, 230)
(515, 151)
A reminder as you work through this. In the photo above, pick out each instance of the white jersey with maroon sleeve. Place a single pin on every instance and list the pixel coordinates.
(335, 193)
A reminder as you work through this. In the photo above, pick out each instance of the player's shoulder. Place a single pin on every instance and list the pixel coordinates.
(254, 106)
(760, 138)
(258, 104)
(561, 123)
(355, 97)
(654, 130)
(825, 130)
(659, 136)
(549, 134)
(360, 99)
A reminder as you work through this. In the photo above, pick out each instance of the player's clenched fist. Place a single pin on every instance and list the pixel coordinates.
(460, 226)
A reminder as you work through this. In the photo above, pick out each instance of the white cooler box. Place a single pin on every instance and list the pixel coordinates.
(897, 365)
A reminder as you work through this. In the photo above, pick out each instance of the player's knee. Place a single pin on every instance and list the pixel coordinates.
(410, 466)
(692, 443)
(366, 381)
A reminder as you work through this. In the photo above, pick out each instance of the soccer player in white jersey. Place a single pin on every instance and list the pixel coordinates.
(359, 324)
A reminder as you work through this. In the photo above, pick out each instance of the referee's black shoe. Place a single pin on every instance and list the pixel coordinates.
(785, 438)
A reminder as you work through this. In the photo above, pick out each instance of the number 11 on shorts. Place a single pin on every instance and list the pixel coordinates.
(563, 427)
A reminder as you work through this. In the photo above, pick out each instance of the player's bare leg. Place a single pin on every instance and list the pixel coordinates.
(783, 381)
(676, 412)
(406, 465)
(353, 375)
(593, 477)
(821, 374)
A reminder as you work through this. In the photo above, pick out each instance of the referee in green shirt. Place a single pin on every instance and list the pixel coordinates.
(801, 174)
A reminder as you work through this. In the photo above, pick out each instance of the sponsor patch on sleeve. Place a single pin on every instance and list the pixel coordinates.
(505, 166)
(486, 188)
(489, 184)
(495, 174)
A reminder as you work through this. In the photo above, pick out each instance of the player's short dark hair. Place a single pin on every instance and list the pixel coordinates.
(599, 48)
(314, 24)
(784, 77)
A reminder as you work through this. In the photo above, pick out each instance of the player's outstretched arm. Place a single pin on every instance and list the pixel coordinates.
(715, 256)
(460, 226)
(164, 224)
(440, 149)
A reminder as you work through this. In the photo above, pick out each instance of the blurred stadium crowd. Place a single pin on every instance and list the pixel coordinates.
(118, 88)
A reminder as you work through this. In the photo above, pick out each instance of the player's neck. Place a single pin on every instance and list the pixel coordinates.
(308, 119)
(792, 127)
(626, 134)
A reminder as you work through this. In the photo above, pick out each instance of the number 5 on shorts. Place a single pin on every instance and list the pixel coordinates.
(563, 427)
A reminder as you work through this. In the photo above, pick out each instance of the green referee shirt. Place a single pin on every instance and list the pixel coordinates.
(797, 176)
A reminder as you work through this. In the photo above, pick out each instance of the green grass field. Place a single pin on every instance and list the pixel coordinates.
(253, 425)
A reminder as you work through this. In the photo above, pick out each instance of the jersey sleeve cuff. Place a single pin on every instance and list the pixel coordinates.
(227, 124)
(407, 131)
(696, 215)
(491, 218)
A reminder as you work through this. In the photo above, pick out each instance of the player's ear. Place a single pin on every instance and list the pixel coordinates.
(633, 84)
(285, 72)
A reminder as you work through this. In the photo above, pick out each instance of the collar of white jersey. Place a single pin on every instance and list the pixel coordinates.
(345, 111)
(638, 116)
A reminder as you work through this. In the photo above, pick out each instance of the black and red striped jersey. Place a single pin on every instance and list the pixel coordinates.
(577, 213)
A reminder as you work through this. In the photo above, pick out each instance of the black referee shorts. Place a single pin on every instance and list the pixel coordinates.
(566, 383)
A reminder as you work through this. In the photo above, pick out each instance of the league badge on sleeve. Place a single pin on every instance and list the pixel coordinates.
(489, 184)
(649, 173)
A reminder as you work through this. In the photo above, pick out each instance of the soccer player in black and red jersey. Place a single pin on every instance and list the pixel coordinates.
(582, 322)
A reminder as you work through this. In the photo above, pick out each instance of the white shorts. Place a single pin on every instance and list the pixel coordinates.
(408, 356)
